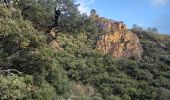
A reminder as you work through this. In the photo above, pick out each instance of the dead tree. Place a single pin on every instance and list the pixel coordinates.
(57, 14)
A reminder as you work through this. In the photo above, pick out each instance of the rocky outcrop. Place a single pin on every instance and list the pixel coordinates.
(55, 45)
(120, 43)
(81, 89)
(117, 40)
(108, 24)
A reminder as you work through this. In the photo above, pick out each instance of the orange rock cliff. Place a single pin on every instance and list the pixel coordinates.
(118, 41)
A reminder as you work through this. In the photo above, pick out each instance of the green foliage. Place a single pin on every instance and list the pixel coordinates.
(14, 87)
(163, 94)
(25, 49)
(58, 79)
(41, 13)
(46, 74)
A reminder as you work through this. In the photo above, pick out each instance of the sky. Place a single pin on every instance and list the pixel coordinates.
(145, 13)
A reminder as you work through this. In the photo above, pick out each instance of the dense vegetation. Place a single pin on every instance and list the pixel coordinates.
(31, 69)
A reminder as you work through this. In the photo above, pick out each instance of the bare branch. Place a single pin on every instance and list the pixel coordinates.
(9, 71)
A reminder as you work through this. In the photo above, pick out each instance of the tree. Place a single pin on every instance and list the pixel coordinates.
(136, 29)
(93, 13)
(153, 29)
(45, 14)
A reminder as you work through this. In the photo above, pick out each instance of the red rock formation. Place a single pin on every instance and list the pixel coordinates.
(120, 43)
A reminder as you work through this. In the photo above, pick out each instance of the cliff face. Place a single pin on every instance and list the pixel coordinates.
(120, 42)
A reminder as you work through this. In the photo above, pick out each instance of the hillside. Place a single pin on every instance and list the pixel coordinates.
(48, 54)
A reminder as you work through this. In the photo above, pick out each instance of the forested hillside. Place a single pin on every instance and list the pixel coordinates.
(49, 51)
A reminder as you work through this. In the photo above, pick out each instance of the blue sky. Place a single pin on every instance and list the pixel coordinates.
(145, 13)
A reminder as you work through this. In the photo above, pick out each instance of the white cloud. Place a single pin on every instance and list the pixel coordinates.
(84, 6)
(160, 2)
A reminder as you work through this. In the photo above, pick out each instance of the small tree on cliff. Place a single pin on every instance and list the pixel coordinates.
(93, 13)
(153, 29)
